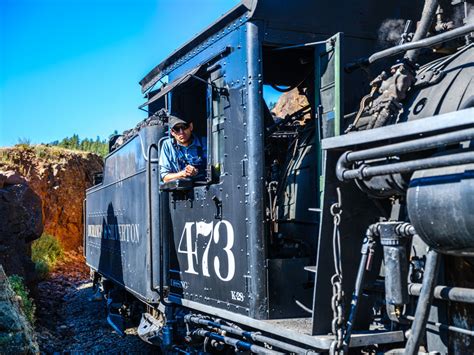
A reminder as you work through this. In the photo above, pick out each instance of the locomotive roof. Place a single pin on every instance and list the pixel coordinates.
(229, 16)
(360, 19)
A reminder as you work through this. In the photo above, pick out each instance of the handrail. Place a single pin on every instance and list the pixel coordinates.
(150, 210)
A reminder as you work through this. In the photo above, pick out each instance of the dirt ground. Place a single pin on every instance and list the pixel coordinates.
(68, 320)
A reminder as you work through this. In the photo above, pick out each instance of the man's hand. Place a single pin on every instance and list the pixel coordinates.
(190, 171)
(187, 172)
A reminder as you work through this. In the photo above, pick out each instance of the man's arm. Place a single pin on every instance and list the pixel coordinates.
(166, 166)
(187, 172)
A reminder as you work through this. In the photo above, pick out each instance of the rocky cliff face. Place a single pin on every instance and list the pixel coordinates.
(16, 334)
(20, 223)
(60, 177)
(289, 102)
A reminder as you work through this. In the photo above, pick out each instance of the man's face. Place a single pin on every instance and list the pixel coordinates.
(182, 133)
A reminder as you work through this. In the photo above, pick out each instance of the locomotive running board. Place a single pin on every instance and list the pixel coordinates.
(319, 342)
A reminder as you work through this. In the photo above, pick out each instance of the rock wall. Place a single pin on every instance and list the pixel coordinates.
(289, 102)
(60, 177)
(16, 334)
(21, 222)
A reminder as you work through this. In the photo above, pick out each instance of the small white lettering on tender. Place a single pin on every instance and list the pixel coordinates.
(237, 296)
(127, 233)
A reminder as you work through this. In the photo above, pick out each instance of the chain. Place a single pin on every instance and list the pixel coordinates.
(337, 300)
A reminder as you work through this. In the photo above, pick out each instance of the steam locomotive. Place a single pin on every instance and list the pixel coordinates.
(345, 226)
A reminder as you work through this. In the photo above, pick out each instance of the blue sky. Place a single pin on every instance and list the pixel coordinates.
(73, 66)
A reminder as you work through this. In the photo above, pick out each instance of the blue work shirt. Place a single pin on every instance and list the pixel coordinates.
(174, 157)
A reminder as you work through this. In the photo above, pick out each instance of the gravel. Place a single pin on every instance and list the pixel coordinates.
(68, 320)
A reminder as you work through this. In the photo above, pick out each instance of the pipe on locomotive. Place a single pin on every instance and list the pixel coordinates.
(424, 303)
(190, 318)
(446, 293)
(412, 146)
(345, 173)
(427, 17)
(445, 326)
(238, 344)
(365, 171)
(441, 292)
(427, 42)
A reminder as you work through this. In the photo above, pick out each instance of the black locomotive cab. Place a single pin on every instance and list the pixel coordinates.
(250, 254)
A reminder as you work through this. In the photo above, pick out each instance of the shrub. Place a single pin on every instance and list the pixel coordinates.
(4, 157)
(41, 151)
(45, 252)
(42, 268)
(27, 304)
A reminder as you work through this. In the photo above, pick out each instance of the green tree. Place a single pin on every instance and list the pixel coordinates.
(97, 146)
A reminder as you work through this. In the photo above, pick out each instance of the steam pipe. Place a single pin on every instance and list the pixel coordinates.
(427, 17)
(447, 327)
(455, 294)
(248, 335)
(366, 171)
(427, 42)
(416, 145)
(424, 302)
(441, 292)
(238, 344)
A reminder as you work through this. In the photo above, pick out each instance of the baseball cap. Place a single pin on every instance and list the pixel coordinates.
(173, 121)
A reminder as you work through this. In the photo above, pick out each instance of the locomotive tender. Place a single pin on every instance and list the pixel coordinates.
(345, 226)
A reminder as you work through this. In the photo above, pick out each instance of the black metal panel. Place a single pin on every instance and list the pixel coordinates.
(116, 232)
(354, 18)
(206, 249)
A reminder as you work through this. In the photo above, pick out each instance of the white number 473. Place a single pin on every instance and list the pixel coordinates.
(188, 245)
